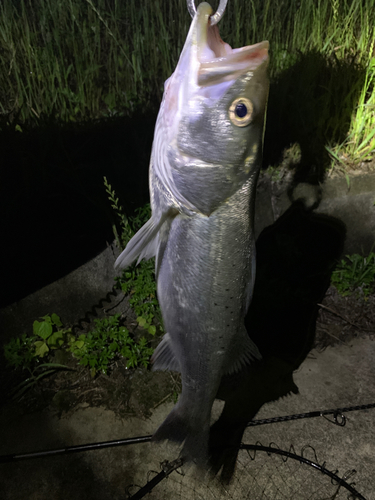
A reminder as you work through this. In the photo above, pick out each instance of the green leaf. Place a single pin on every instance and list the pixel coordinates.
(125, 351)
(42, 329)
(141, 321)
(152, 330)
(92, 362)
(113, 347)
(47, 318)
(41, 348)
(70, 339)
(56, 339)
(56, 320)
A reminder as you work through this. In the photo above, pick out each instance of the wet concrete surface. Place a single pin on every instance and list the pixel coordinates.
(340, 376)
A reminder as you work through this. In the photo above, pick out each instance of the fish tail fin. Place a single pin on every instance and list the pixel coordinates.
(195, 448)
(177, 427)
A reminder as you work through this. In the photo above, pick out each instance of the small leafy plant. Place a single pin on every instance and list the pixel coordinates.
(107, 342)
(51, 333)
(98, 349)
(26, 352)
(137, 281)
(126, 230)
(355, 272)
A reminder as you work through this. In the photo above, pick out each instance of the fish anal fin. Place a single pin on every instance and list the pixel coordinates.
(244, 353)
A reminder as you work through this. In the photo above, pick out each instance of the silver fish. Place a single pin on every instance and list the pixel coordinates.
(204, 166)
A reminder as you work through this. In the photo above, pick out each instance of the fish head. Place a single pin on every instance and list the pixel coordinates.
(212, 115)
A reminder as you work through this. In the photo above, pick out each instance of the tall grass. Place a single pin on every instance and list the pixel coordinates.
(78, 59)
(83, 59)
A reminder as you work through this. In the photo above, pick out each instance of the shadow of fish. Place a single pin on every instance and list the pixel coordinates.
(204, 165)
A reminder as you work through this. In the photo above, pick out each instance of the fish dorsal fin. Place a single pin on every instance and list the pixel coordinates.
(145, 242)
(163, 357)
(243, 353)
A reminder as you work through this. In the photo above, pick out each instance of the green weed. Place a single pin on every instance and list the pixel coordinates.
(355, 272)
(51, 333)
(27, 351)
(137, 281)
(36, 374)
(126, 230)
(20, 352)
(107, 342)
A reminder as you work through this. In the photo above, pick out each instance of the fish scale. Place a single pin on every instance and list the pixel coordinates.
(204, 165)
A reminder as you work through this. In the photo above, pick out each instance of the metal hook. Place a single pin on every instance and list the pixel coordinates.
(216, 17)
(338, 419)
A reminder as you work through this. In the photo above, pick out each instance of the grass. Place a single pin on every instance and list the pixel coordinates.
(136, 281)
(355, 273)
(85, 59)
(108, 339)
(106, 342)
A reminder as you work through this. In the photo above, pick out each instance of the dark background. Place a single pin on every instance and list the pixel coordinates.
(55, 215)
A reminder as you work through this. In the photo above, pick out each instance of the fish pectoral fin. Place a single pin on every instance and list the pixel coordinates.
(163, 357)
(244, 352)
(144, 243)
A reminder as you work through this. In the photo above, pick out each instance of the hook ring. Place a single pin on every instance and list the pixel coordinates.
(338, 418)
(214, 18)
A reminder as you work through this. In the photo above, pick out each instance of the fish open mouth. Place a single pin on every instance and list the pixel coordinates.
(218, 61)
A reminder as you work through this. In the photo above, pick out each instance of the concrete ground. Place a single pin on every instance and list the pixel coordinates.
(340, 376)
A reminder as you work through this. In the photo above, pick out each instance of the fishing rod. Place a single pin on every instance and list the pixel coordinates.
(338, 419)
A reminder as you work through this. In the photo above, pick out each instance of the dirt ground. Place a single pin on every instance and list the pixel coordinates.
(71, 408)
(137, 393)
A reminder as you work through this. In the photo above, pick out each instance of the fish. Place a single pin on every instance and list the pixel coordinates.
(204, 165)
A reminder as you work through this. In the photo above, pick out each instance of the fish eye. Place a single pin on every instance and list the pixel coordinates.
(241, 112)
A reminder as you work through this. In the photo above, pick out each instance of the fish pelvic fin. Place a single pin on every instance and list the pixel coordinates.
(244, 352)
(163, 357)
(145, 243)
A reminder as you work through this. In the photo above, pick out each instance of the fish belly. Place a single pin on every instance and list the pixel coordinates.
(204, 289)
